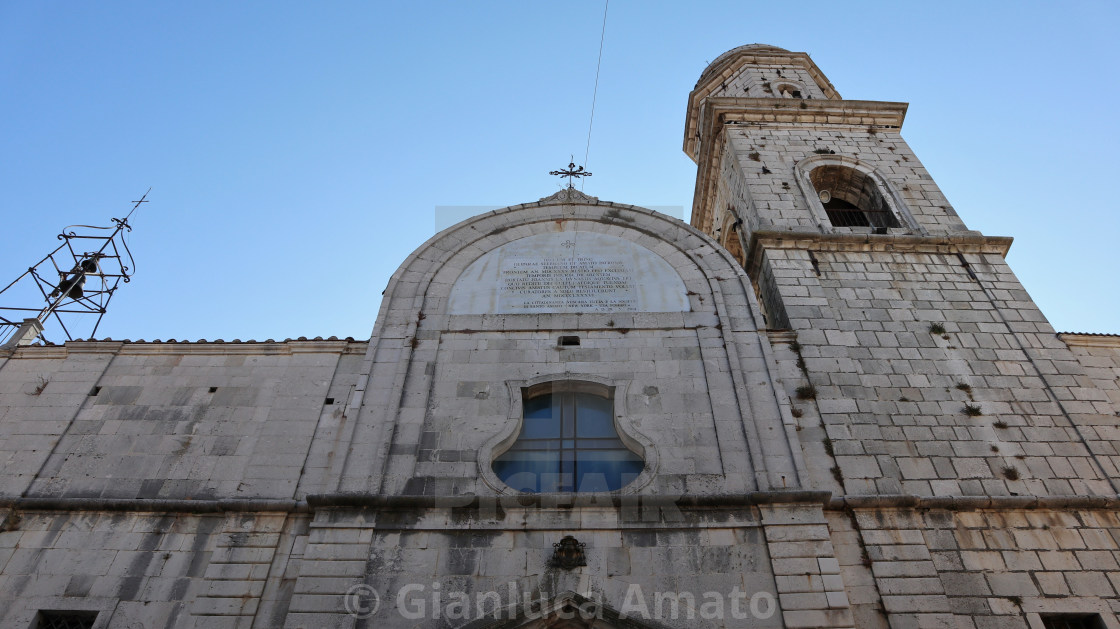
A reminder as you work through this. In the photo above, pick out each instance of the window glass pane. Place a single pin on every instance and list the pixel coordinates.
(607, 470)
(600, 442)
(536, 444)
(567, 471)
(539, 422)
(569, 406)
(568, 442)
(594, 417)
(524, 471)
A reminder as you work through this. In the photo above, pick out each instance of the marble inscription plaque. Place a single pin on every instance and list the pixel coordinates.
(568, 272)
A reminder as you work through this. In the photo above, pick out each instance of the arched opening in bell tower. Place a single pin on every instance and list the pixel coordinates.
(851, 198)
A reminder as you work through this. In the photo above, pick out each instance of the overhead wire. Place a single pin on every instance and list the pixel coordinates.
(595, 92)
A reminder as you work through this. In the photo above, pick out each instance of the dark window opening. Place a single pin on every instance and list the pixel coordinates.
(65, 620)
(568, 443)
(95, 391)
(1072, 621)
(329, 400)
(844, 214)
(789, 91)
(851, 198)
(566, 341)
(213, 389)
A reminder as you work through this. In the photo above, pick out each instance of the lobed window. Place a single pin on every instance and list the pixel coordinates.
(568, 443)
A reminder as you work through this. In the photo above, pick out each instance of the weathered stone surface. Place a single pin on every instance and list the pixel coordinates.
(839, 424)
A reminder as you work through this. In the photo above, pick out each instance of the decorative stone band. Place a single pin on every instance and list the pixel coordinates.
(201, 347)
(562, 500)
(971, 242)
(972, 503)
(154, 506)
(315, 502)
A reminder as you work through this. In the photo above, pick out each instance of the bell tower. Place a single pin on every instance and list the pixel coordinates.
(781, 155)
(780, 149)
(895, 313)
(917, 368)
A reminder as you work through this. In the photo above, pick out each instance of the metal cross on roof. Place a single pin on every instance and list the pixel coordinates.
(572, 172)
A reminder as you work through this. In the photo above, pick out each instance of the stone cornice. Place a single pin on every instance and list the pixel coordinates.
(562, 501)
(723, 110)
(973, 503)
(126, 348)
(1090, 339)
(154, 505)
(36, 351)
(569, 500)
(968, 242)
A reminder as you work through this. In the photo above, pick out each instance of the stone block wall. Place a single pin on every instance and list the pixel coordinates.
(178, 570)
(766, 156)
(662, 394)
(934, 374)
(761, 80)
(169, 421)
(1099, 356)
(653, 570)
(992, 567)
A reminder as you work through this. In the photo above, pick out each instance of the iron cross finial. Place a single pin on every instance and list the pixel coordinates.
(572, 172)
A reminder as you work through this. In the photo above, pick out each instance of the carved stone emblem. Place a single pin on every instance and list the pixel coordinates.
(568, 554)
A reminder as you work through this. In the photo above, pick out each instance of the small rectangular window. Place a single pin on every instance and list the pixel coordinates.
(1072, 621)
(65, 619)
(567, 341)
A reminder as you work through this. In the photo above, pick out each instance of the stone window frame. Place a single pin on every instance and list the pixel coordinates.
(906, 221)
(633, 439)
(1034, 608)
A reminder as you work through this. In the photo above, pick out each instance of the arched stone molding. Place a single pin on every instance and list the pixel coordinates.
(786, 88)
(732, 236)
(894, 201)
(399, 368)
(623, 425)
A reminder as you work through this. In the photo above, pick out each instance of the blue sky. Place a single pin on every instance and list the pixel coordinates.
(297, 152)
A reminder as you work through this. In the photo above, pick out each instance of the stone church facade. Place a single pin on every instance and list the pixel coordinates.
(825, 403)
